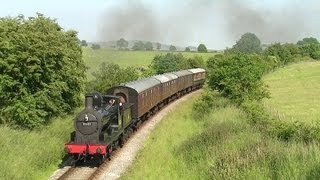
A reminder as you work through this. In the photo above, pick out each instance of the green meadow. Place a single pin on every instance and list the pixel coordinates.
(93, 58)
(295, 92)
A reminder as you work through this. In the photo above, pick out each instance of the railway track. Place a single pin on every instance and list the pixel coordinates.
(121, 157)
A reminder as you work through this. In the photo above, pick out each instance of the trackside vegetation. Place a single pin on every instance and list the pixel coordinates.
(41, 71)
(229, 132)
(193, 142)
(34, 154)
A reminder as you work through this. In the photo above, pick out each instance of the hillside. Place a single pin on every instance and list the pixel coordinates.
(224, 144)
(295, 92)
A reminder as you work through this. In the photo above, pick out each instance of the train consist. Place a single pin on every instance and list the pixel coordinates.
(108, 120)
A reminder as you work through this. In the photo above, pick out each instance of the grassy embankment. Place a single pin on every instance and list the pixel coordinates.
(33, 154)
(36, 154)
(224, 145)
(295, 92)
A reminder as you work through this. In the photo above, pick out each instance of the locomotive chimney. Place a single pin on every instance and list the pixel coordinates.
(89, 102)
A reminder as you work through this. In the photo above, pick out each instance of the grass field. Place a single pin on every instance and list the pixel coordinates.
(295, 92)
(222, 145)
(33, 154)
(93, 58)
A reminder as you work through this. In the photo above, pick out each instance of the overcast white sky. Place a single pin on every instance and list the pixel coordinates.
(216, 23)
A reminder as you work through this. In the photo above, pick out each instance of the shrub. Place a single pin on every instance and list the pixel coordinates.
(110, 75)
(167, 63)
(95, 46)
(237, 76)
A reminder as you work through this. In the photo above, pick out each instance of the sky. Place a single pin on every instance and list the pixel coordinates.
(216, 23)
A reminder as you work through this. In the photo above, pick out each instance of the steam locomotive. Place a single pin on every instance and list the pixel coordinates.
(108, 120)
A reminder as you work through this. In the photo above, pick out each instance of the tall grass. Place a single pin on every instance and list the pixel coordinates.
(221, 145)
(33, 154)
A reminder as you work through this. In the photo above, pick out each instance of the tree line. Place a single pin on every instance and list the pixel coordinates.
(123, 44)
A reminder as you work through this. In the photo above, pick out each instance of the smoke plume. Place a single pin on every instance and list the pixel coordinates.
(216, 23)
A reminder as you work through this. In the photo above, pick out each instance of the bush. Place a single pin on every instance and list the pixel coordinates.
(312, 50)
(194, 62)
(237, 76)
(95, 46)
(41, 70)
(167, 63)
(209, 101)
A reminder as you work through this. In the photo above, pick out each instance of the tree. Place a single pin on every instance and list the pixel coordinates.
(167, 63)
(122, 43)
(84, 43)
(310, 40)
(95, 46)
(248, 43)
(41, 70)
(158, 46)
(172, 48)
(187, 49)
(110, 74)
(138, 46)
(202, 48)
(148, 46)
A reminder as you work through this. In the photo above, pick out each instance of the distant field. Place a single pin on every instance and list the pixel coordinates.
(93, 58)
(295, 92)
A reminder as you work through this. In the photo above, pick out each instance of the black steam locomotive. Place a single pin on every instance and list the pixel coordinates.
(108, 120)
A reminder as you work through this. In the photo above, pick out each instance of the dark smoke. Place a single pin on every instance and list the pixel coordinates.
(215, 23)
(271, 25)
(131, 20)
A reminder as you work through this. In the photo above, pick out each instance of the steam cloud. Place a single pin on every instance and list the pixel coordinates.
(216, 23)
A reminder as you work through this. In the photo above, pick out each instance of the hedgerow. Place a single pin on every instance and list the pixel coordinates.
(238, 76)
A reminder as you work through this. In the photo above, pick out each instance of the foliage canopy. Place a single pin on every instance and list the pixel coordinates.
(138, 46)
(109, 75)
(202, 48)
(122, 43)
(41, 70)
(172, 48)
(148, 46)
(310, 40)
(237, 76)
(248, 43)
